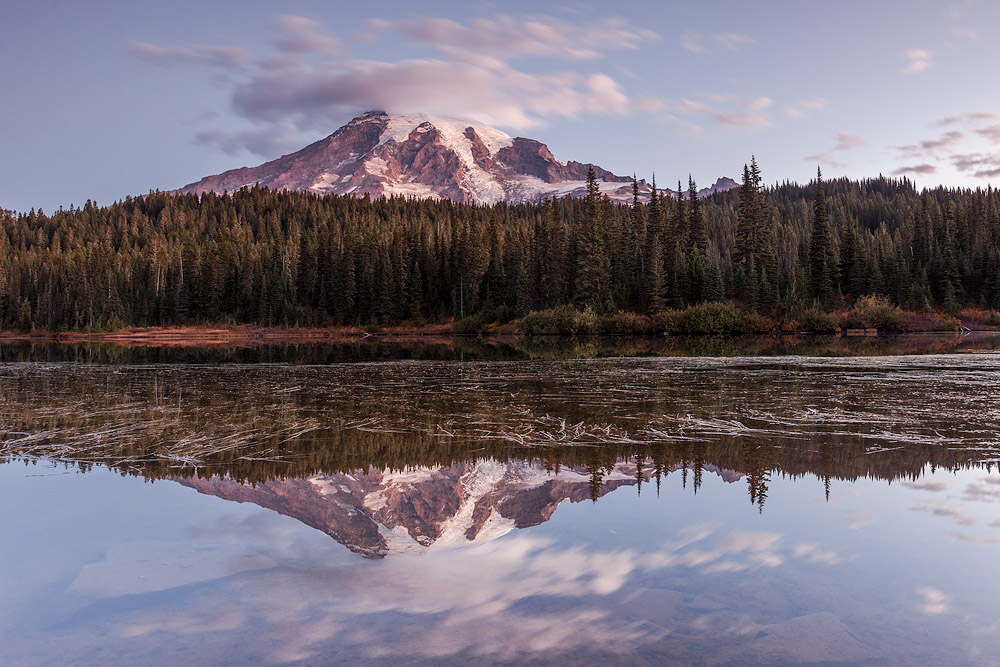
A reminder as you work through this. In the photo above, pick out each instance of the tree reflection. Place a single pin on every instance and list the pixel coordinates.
(253, 424)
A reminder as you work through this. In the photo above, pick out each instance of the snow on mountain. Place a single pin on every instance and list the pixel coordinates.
(423, 509)
(423, 156)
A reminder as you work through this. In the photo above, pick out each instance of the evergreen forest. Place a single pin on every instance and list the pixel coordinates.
(279, 258)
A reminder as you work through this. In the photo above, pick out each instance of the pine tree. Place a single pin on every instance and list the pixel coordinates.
(638, 218)
(680, 222)
(714, 288)
(24, 319)
(821, 246)
(698, 233)
(593, 263)
(850, 258)
(653, 265)
(654, 278)
(745, 221)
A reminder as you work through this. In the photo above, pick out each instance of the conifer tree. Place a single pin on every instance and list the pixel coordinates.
(593, 263)
(698, 233)
(680, 222)
(850, 260)
(821, 246)
(744, 220)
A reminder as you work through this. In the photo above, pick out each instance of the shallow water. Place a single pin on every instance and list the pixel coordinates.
(697, 510)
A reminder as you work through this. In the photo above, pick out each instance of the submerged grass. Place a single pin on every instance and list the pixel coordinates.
(259, 422)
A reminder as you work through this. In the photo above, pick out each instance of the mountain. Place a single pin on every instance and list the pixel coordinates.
(377, 513)
(466, 161)
(723, 184)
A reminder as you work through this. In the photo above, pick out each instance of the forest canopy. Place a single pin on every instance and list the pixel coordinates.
(270, 257)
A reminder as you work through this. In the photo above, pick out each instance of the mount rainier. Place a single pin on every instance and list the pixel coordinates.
(382, 155)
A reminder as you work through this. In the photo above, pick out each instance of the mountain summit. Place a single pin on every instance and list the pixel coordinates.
(423, 156)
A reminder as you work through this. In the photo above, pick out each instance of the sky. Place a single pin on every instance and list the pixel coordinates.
(105, 99)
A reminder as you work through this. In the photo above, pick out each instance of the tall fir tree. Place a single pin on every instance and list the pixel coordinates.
(821, 260)
(593, 262)
(698, 232)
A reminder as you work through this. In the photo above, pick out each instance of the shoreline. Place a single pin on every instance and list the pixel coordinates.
(224, 335)
(209, 335)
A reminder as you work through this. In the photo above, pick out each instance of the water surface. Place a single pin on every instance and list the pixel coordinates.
(766, 509)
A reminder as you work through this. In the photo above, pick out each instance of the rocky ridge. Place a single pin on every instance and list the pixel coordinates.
(381, 155)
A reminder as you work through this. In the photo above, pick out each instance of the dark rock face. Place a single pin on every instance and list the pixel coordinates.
(378, 154)
(335, 514)
(723, 184)
(343, 150)
(381, 512)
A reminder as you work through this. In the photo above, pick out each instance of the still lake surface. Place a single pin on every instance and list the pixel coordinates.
(709, 501)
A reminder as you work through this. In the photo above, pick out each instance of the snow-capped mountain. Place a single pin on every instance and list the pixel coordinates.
(379, 154)
(378, 513)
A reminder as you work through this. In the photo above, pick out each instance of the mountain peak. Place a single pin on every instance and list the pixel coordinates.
(421, 155)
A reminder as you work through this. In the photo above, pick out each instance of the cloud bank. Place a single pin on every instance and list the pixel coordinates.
(307, 83)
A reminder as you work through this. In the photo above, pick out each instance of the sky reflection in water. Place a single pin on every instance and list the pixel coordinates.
(482, 558)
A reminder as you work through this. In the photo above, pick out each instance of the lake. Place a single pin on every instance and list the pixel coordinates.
(816, 500)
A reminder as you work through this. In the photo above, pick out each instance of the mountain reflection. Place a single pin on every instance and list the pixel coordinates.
(391, 457)
(377, 513)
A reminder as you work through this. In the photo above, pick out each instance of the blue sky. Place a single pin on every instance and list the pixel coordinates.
(107, 99)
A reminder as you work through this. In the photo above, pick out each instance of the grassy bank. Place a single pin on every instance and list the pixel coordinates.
(866, 314)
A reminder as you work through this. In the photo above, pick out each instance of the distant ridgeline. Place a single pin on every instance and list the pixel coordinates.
(286, 258)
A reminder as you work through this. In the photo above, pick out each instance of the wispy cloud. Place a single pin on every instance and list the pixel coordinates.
(957, 146)
(934, 602)
(742, 119)
(307, 83)
(992, 133)
(649, 104)
(945, 141)
(848, 142)
(219, 56)
(931, 147)
(980, 165)
(270, 140)
(733, 41)
(957, 514)
(986, 491)
(965, 34)
(802, 109)
(917, 60)
(555, 599)
(926, 485)
(729, 41)
(828, 160)
(491, 42)
(843, 142)
(958, 10)
(298, 34)
(967, 117)
(812, 552)
(690, 41)
(750, 116)
(918, 169)
(859, 518)
(727, 109)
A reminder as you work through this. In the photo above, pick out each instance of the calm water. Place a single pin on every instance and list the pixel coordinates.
(536, 502)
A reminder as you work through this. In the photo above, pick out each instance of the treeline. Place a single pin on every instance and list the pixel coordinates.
(292, 258)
